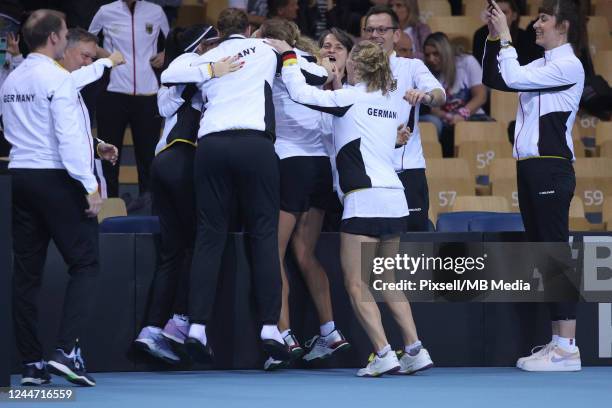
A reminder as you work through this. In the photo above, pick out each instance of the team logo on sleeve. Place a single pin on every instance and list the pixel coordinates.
(149, 28)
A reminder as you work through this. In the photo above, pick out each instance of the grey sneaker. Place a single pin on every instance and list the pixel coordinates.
(156, 345)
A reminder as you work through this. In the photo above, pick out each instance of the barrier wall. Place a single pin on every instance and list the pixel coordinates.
(456, 334)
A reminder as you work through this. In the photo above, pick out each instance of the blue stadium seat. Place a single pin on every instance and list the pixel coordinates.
(139, 224)
(501, 222)
(458, 221)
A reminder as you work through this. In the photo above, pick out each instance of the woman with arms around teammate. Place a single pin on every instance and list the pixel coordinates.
(173, 195)
(306, 188)
(375, 208)
(549, 92)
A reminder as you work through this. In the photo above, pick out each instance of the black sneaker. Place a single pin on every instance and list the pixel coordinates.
(201, 353)
(71, 367)
(32, 375)
(276, 350)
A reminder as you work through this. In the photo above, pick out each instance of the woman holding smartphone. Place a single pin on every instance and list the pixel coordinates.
(549, 93)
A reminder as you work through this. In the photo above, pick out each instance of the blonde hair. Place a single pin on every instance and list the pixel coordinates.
(413, 13)
(288, 31)
(372, 67)
(448, 54)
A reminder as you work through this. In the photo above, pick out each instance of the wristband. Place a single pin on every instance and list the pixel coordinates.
(289, 58)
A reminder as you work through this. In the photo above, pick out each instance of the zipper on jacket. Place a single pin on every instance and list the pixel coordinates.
(133, 12)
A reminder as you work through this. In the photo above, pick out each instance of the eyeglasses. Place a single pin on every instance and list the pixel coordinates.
(379, 30)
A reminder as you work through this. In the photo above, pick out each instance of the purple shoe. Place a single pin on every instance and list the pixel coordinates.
(175, 332)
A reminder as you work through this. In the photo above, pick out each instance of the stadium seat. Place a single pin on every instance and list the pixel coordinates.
(593, 182)
(602, 62)
(607, 213)
(128, 175)
(457, 221)
(447, 179)
(525, 20)
(504, 106)
(432, 150)
(605, 150)
(603, 132)
(434, 8)
(506, 188)
(474, 8)
(481, 154)
(496, 223)
(480, 131)
(214, 8)
(599, 34)
(189, 14)
(577, 218)
(459, 29)
(128, 140)
(141, 224)
(479, 203)
(429, 140)
(112, 207)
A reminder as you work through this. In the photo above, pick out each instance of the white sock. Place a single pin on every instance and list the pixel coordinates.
(555, 338)
(567, 344)
(270, 332)
(154, 329)
(198, 331)
(327, 328)
(414, 348)
(384, 350)
(285, 333)
(38, 364)
(180, 320)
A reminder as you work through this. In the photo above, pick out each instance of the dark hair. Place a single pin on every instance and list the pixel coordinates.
(568, 10)
(39, 26)
(382, 9)
(515, 24)
(181, 40)
(232, 21)
(78, 34)
(342, 36)
(274, 5)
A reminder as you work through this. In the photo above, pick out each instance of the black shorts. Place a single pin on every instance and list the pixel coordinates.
(417, 197)
(305, 182)
(377, 227)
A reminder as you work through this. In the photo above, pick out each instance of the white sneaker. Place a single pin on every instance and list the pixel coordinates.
(536, 352)
(378, 366)
(324, 347)
(554, 359)
(272, 364)
(412, 364)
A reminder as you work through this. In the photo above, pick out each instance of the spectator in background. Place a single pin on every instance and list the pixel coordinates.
(524, 41)
(132, 28)
(170, 8)
(10, 58)
(287, 9)
(408, 13)
(461, 76)
(403, 48)
(257, 10)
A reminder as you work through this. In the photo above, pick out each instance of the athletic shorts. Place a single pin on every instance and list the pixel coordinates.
(305, 182)
(377, 227)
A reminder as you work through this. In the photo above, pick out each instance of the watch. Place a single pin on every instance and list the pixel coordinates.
(506, 44)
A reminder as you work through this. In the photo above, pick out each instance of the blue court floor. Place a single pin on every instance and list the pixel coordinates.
(438, 387)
